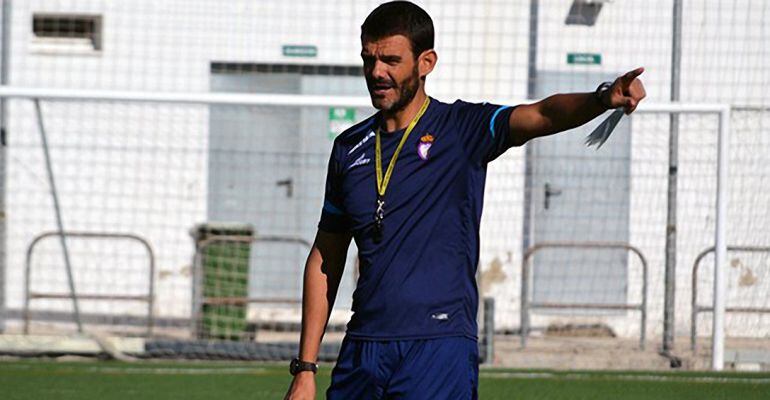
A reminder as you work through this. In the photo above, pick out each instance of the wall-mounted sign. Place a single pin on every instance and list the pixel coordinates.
(300, 51)
(340, 118)
(584, 58)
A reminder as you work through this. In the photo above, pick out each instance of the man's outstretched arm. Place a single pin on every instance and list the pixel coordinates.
(562, 112)
(323, 271)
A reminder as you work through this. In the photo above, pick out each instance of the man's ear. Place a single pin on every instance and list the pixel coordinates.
(426, 62)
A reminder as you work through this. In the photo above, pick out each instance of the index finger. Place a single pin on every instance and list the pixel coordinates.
(629, 76)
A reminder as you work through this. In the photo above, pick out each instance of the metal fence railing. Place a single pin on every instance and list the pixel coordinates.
(696, 309)
(75, 296)
(527, 305)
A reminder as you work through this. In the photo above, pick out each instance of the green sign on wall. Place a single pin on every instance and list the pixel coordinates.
(584, 58)
(300, 51)
(340, 118)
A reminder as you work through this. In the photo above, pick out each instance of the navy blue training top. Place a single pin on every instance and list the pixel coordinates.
(419, 281)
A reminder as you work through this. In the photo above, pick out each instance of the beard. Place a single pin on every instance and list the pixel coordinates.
(405, 91)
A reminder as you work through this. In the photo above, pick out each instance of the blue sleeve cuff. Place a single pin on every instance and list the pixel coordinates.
(333, 220)
(331, 209)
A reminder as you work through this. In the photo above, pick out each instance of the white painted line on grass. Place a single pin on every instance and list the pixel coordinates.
(628, 377)
(143, 370)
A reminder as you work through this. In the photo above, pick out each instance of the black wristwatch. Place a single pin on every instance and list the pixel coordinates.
(296, 366)
(599, 93)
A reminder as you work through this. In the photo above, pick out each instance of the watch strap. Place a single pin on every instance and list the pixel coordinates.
(599, 93)
(296, 366)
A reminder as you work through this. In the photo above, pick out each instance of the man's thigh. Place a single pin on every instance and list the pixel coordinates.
(361, 371)
(444, 368)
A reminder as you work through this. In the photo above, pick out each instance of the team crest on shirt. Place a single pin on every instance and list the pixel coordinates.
(423, 146)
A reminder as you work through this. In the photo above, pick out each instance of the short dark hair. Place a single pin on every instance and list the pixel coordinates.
(400, 18)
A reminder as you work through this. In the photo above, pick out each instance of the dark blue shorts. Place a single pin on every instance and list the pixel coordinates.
(443, 368)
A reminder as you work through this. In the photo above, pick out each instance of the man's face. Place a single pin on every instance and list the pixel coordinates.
(391, 72)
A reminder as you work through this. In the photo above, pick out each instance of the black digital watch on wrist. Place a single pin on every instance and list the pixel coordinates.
(296, 366)
(599, 93)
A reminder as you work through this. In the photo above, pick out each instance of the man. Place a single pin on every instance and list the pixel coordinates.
(407, 184)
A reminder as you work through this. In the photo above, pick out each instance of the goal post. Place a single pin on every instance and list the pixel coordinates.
(283, 101)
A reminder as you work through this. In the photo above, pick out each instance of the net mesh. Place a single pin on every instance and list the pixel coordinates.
(228, 196)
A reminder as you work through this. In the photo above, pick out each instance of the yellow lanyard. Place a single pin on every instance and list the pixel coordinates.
(382, 184)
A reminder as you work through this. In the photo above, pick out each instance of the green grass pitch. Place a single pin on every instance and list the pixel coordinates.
(187, 380)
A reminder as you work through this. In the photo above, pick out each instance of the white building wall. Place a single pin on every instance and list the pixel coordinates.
(482, 46)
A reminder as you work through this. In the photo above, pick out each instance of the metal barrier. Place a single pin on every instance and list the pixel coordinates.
(487, 339)
(527, 305)
(695, 309)
(199, 300)
(149, 298)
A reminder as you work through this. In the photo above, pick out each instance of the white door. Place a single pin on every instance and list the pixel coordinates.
(267, 167)
(580, 194)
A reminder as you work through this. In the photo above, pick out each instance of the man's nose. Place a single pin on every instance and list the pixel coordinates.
(379, 71)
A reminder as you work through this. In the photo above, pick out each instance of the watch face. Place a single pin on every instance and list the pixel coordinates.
(294, 366)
